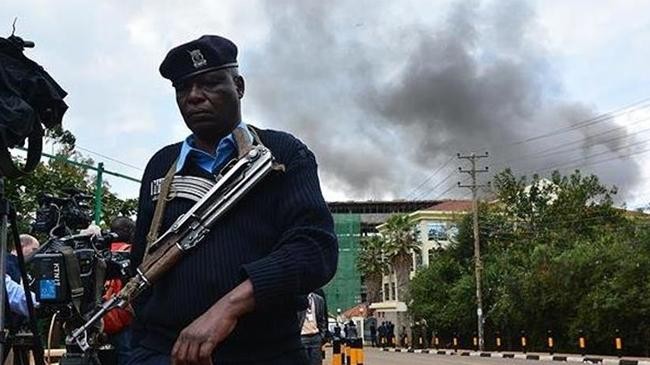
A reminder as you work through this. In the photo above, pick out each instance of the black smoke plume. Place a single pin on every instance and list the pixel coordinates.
(386, 94)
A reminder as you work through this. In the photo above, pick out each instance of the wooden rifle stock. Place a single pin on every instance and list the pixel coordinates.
(153, 267)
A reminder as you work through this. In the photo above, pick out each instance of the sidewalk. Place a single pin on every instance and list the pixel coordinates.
(590, 359)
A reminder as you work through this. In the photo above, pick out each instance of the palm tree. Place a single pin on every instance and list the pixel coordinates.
(401, 238)
(401, 243)
(372, 265)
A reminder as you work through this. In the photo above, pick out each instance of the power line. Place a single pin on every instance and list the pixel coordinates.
(511, 231)
(584, 161)
(108, 158)
(563, 222)
(451, 187)
(597, 142)
(430, 177)
(424, 193)
(585, 123)
(644, 103)
(554, 150)
(579, 217)
(627, 109)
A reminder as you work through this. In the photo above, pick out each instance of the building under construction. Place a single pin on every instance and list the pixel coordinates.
(352, 221)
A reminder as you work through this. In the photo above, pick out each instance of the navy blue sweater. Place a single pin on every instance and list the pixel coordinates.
(280, 235)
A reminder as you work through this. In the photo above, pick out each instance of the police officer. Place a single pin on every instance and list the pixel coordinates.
(233, 299)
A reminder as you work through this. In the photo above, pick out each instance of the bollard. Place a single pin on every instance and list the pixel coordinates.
(498, 341)
(359, 356)
(524, 341)
(475, 342)
(582, 343)
(337, 357)
(348, 353)
(550, 342)
(436, 342)
(618, 343)
(421, 342)
(455, 342)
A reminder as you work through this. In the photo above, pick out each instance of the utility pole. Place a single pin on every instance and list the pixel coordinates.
(99, 192)
(478, 264)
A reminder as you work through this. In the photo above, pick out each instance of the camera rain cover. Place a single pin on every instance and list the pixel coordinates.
(28, 97)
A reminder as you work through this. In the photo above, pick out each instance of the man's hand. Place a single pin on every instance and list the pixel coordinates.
(197, 342)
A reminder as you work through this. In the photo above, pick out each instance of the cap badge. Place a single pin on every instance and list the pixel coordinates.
(197, 58)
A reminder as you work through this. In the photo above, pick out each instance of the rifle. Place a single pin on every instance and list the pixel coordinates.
(188, 230)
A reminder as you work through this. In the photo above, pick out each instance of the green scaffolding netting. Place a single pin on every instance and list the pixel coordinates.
(344, 291)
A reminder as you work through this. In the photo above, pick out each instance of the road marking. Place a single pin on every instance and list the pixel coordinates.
(533, 357)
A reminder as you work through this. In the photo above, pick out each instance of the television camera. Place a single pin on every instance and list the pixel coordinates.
(69, 270)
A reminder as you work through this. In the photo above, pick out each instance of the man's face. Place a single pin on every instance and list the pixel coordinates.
(209, 103)
(29, 249)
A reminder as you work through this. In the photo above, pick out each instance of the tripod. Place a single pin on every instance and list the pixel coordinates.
(24, 342)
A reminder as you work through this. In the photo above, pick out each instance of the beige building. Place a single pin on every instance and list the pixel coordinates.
(436, 228)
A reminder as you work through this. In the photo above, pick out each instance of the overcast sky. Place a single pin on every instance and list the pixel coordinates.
(385, 93)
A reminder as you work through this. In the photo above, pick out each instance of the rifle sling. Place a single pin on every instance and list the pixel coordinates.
(152, 236)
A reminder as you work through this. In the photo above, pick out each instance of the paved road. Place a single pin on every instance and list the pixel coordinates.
(377, 357)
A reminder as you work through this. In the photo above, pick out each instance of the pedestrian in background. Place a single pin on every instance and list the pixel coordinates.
(403, 337)
(382, 334)
(313, 324)
(373, 335)
(29, 245)
(352, 330)
(117, 322)
(337, 331)
(390, 333)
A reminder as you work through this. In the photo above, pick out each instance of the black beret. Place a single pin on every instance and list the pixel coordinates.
(208, 53)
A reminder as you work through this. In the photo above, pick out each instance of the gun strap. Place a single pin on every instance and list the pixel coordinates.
(256, 140)
(152, 236)
(244, 145)
(74, 276)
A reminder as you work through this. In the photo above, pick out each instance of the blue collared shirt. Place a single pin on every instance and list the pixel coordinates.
(16, 297)
(211, 163)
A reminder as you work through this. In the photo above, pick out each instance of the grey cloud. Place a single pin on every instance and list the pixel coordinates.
(384, 92)
(380, 99)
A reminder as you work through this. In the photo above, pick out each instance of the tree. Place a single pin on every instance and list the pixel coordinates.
(53, 176)
(401, 242)
(372, 265)
(443, 294)
(558, 256)
(576, 204)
